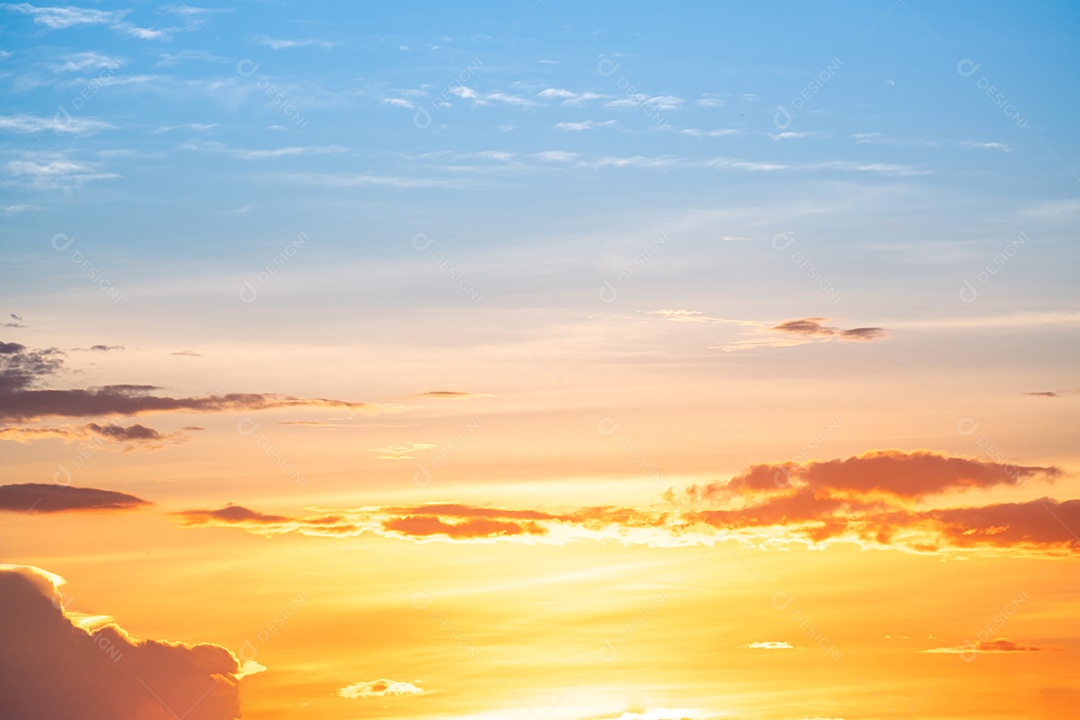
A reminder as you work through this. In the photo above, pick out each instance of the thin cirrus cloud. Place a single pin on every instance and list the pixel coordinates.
(23, 371)
(70, 125)
(584, 125)
(279, 44)
(58, 664)
(51, 498)
(379, 689)
(872, 500)
(62, 18)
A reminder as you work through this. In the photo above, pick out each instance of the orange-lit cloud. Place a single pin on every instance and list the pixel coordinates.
(814, 327)
(45, 498)
(991, 647)
(786, 333)
(23, 370)
(889, 473)
(55, 665)
(405, 451)
(871, 500)
(379, 688)
(139, 436)
(768, 645)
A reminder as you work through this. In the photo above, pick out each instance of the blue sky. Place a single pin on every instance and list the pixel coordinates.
(175, 126)
(542, 148)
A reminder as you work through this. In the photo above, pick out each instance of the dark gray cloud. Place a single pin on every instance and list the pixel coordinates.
(48, 498)
(22, 398)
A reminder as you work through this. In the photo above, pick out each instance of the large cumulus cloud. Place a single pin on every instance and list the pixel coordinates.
(53, 668)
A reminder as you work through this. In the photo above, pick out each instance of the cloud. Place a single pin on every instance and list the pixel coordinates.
(718, 132)
(72, 125)
(230, 514)
(1054, 393)
(84, 60)
(506, 99)
(46, 498)
(557, 156)
(290, 44)
(379, 688)
(55, 170)
(871, 500)
(465, 93)
(405, 451)
(262, 154)
(569, 97)
(137, 434)
(894, 474)
(812, 326)
(767, 645)
(990, 647)
(23, 370)
(787, 333)
(56, 664)
(986, 146)
(661, 713)
(584, 125)
(636, 100)
(449, 395)
(61, 18)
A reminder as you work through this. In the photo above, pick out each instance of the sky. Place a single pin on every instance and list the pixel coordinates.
(539, 361)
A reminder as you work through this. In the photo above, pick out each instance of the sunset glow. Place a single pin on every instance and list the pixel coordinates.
(547, 361)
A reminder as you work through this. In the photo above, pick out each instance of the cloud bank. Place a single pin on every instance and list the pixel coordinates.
(874, 500)
(55, 665)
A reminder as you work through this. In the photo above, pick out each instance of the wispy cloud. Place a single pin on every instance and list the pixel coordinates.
(584, 125)
(1002, 147)
(56, 123)
(637, 100)
(786, 333)
(568, 97)
(991, 647)
(405, 451)
(379, 689)
(280, 44)
(768, 645)
(62, 18)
